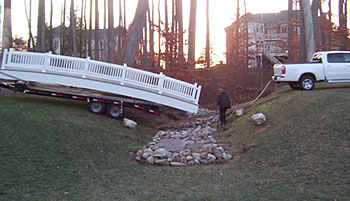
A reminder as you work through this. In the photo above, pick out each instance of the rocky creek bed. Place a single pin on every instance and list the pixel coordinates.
(189, 143)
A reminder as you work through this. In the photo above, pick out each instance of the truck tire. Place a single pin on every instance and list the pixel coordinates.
(307, 82)
(294, 85)
(96, 107)
(114, 111)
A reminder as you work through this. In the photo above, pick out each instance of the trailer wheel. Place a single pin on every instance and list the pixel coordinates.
(96, 107)
(114, 111)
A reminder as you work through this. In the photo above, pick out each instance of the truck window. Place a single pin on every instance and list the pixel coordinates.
(335, 58)
(347, 57)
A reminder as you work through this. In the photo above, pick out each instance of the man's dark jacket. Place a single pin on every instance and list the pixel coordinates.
(223, 100)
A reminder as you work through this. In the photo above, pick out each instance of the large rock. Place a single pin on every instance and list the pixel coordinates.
(259, 118)
(129, 123)
(211, 158)
(239, 112)
(160, 153)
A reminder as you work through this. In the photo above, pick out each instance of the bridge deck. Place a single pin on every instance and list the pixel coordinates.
(100, 76)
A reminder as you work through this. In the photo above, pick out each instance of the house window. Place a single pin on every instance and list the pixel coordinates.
(272, 34)
(284, 29)
(250, 28)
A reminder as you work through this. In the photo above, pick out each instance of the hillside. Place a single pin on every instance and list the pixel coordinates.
(53, 149)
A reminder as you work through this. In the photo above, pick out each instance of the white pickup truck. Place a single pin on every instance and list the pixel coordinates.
(331, 66)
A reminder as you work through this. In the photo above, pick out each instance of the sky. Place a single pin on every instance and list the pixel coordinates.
(222, 14)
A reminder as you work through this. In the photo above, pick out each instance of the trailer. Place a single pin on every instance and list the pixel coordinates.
(106, 87)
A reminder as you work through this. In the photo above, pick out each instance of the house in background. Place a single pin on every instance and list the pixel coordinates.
(118, 33)
(264, 37)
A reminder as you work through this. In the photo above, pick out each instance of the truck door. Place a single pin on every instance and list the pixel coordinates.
(347, 60)
(335, 68)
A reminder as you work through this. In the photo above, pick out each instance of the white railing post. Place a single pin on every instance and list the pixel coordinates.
(86, 66)
(47, 61)
(123, 74)
(161, 82)
(194, 91)
(198, 93)
(9, 59)
(4, 58)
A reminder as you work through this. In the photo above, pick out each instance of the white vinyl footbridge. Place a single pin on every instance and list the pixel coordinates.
(100, 76)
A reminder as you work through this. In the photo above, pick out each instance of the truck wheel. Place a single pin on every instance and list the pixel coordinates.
(96, 107)
(294, 85)
(307, 82)
(114, 111)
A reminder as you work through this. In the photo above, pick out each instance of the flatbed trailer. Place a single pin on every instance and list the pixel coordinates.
(98, 103)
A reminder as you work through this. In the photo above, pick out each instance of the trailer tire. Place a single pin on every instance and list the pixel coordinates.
(114, 111)
(96, 107)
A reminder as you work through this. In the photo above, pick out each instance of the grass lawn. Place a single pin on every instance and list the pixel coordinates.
(52, 149)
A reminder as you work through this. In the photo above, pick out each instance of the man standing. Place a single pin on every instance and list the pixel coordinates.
(224, 103)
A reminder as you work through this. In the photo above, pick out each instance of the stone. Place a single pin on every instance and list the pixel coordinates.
(174, 145)
(239, 112)
(217, 154)
(196, 161)
(227, 156)
(138, 158)
(129, 123)
(150, 160)
(259, 119)
(147, 153)
(188, 158)
(177, 164)
(211, 158)
(139, 153)
(204, 155)
(160, 153)
(206, 148)
(161, 162)
(196, 156)
(190, 163)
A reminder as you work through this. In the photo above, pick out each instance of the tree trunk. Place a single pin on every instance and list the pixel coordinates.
(97, 38)
(151, 34)
(207, 47)
(167, 39)
(192, 35)
(30, 42)
(63, 29)
(111, 40)
(309, 30)
(145, 48)
(180, 34)
(135, 33)
(120, 36)
(41, 46)
(7, 27)
(343, 24)
(290, 31)
(90, 31)
(315, 8)
(73, 28)
(105, 36)
(50, 29)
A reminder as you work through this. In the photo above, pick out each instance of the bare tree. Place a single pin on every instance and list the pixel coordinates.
(97, 26)
(90, 31)
(135, 33)
(207, 47)
(111, 40)
(50, 35)
(7, 27)
(290, 31)
(73, 29)
(105, 37)
(343, 22)
(41, 46)
(309, 30)
(180, 36)
(30, 43)
(192, 35)
(63, 29)
(316, 4)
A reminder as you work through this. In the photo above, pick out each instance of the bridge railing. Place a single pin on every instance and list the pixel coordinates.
(91, 69)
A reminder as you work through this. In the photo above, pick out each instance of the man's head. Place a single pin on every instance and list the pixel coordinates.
(220, 90)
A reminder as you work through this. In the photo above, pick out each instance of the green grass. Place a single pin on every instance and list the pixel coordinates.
(52, 149)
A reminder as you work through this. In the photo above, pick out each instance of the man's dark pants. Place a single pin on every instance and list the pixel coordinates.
(222, 116)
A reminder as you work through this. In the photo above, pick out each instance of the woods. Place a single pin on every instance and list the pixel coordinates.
(158, 39)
